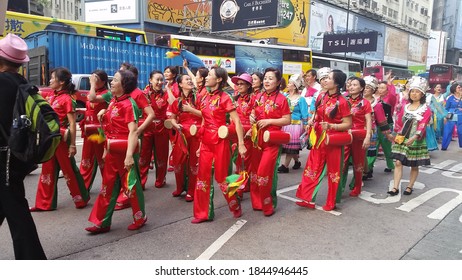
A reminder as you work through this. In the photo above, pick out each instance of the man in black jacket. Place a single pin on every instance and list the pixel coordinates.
(13, 204)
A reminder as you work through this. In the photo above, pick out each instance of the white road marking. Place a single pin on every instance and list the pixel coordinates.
(212, 249)
(291, 188)
(367, 196)
(439, 213)
(437, 167)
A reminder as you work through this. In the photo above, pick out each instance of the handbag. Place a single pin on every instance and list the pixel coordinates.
(449, 116)
(399, 139)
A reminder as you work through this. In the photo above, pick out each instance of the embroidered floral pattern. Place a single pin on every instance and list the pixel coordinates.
(46, 179)
(267, 201)
(334, 177)
(201, 185)
(86, 163)
(262, 181)
(309, 173)
(194, 170)
(103, 190)
(223, 187)
(68, 180)
(138, 216)
(77, 198)
(360, 168)
(253, 177)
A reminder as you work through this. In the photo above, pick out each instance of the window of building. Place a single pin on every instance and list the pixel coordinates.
(374, 5)
(395, 14)
(390, 12)
(384, 10)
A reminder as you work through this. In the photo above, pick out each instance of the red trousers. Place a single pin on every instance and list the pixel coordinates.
(358, 155)
(92, 155)
(218, 155)
(114, 180)
(314, 172)
(156, 142)
(187, 172)
(264, 178)
(47, 190)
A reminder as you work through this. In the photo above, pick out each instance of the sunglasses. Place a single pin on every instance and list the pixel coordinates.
(240, 84)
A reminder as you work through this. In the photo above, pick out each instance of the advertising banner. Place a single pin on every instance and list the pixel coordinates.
(111, 11)
(173, 13)
(417, 54)
(250, 59)
(243, 14)
(350, 42)
(396, 46)
(324, 20)
(363, 24)
(292, 29)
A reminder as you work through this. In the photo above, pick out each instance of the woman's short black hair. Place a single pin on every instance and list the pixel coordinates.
(173, 70)
(453, 87)
(423, 98)
(277, 73)
(223, 74)
(128, 81)
(361, 81)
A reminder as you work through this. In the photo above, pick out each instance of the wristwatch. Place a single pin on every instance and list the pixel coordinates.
(228, 11)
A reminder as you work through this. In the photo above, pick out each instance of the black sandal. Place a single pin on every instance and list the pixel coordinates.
(393, 192)
(406, 192)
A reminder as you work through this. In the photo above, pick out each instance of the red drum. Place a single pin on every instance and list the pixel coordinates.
(64, 134)
(276, 137)
(358, 134)
(193, 130)
(230, 131)
(168, 124)
(339, 138)
(119, 145)
(90, 129)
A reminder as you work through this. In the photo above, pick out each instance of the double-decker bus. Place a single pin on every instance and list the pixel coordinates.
(25, 24)
(237, 56)
(443, 74)
(382, 72)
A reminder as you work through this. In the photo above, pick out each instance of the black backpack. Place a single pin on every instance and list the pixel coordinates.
(34, 134)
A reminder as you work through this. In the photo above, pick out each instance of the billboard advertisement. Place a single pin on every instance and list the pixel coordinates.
(350, 42)
(111, 11)
(293, 28)
(360, 23)
(325, 19)
(250, 59)
(172, 12)
(396, 46)
(230, 15)
(417, 54)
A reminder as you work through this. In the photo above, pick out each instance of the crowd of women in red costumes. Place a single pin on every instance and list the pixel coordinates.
(214, 134)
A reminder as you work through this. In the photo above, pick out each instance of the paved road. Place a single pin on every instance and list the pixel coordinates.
(425, 225)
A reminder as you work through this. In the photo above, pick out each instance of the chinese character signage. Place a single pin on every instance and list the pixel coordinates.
(293, 28)
(350, 42)
(111, 11)
(243, 14)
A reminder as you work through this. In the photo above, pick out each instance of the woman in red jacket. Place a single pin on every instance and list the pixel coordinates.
(215, 106)
(332, 115)
(184, 114)
(63, 104)
(270, 112)
(92, 152)
(120, 124)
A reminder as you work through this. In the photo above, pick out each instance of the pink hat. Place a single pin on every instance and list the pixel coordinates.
(244, 76)
(14, 49)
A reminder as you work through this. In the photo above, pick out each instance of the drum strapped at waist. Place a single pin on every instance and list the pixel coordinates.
(120, 145)
(193, 130)
(276, 137)
(230, 131)
(339, 138)
(359, 134)
(168, 124)
(91, 128)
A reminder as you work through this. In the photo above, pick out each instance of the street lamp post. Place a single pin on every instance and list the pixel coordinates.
(347, 20)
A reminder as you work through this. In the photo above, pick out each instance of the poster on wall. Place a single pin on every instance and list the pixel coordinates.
(325, 19)
(363, 24)
(417, 54)
(293, 28)
(173, 12)
(251, 59)
(396, 46)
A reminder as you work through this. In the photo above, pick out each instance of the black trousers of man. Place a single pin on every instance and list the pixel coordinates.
(15, 209)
